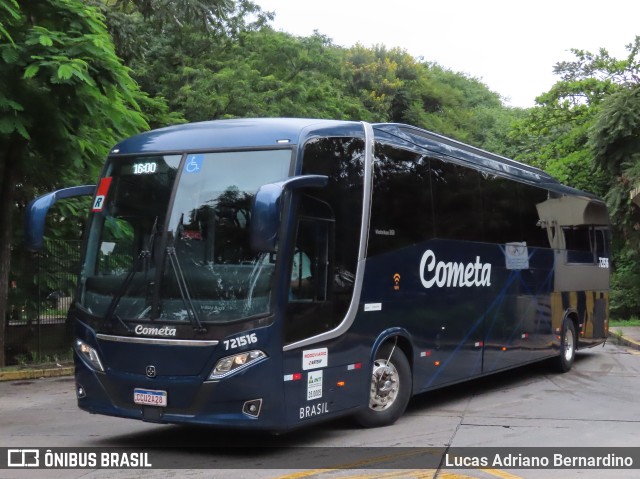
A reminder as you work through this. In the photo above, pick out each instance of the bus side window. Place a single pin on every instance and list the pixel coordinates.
(586, 244)
(580, 244)
(310, 293)
(402, 206)
(602, 243)
(310, 263)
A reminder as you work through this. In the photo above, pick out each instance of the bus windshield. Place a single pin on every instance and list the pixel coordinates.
(183, 259)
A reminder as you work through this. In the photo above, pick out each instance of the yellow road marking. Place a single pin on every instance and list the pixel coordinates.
(353, 465)
(501, 474)
(416, 473)
(412, 474)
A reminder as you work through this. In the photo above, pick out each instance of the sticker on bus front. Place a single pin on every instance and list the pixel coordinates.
(101, 194)
(193, 163)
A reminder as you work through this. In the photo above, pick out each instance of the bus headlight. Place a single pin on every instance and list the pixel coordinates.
(233, 364)
(89, 354)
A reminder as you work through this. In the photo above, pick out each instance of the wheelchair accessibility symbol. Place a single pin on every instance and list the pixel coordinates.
(193, 164)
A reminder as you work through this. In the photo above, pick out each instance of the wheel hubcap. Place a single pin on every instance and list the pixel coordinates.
(568, 345)
(384, 385)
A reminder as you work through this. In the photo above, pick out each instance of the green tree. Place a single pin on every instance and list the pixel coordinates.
(65, 99)
(615, 142)
(586, 132)
(137, 25)
(462, 107)
(555, 134)
(262, 73)
(394, 86)
(255, 71)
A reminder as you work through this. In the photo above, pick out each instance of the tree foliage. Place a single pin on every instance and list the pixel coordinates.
(586, 131)
(556, 134)
(136, 25)
(268, 73)
(615, 142)
(65, 99)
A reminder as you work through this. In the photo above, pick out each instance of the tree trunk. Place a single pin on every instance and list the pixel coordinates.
(9, 169)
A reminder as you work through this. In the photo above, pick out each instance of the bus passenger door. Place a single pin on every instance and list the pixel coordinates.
(308, 301)
(312, 372)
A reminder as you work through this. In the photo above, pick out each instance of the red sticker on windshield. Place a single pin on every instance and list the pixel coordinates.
(101, 194)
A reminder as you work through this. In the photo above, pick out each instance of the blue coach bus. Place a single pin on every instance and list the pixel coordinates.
(273, 273)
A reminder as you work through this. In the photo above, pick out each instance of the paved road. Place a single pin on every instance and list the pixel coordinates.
(596, 404)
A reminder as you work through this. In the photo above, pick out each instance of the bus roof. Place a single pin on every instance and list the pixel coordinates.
(274, 132)
(236, 133)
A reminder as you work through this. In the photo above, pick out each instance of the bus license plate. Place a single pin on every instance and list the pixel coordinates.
(149, 397)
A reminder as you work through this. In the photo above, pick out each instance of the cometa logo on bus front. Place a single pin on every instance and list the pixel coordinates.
(147, 331)
(453, 275)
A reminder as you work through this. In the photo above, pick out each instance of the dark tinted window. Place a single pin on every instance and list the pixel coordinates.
(416, 198)
(578, 240)
(528, 198)
(602, 236)
(501, 220)
(509, 211)
(342, 160)
(402, 213)
(457, 201)
(586, 244)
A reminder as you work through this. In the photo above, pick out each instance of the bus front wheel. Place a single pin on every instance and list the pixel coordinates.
(567, 346)
(390, 388)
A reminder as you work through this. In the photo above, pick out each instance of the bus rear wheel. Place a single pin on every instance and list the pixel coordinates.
(567, 346)
(390, 388)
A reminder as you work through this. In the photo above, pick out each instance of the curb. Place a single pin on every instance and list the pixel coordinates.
(618, 338)
(35, 373)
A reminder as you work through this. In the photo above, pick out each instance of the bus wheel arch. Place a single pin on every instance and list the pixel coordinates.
(391, 385)
(568, 343)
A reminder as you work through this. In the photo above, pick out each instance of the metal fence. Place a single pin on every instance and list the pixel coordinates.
(40, 290)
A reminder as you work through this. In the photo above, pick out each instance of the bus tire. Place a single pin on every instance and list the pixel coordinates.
(568, 343)
(390, 388)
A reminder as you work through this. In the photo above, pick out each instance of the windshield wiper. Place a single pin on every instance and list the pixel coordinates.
(192, 314)
(144, 254)
(142, 258)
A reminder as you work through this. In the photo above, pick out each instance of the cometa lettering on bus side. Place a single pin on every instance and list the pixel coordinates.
(456, 275)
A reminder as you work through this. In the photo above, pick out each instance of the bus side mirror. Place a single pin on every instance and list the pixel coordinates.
(36, 213)
(267, 208)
